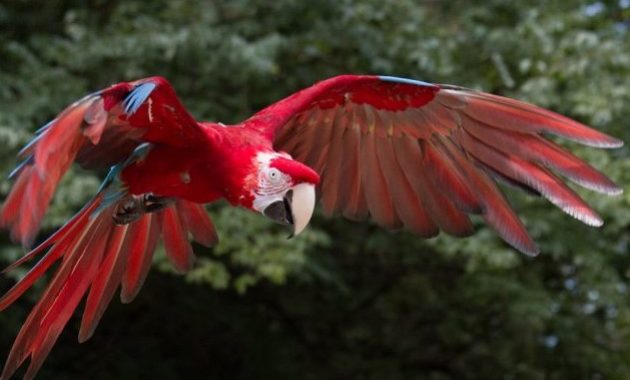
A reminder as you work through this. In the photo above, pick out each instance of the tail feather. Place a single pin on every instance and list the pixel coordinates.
(97, 256)
(195, 219)
(178, 249)
(138, 264)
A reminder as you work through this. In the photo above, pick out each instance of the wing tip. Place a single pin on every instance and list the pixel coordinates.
(603, 142)
(86, 332)
(128, 295)
(613, 191)
(533, 252)
(607, 187)
(587, 217)
(524, 245)
(614, 143)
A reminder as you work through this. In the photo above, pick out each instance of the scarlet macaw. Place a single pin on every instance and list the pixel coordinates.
(401, 152)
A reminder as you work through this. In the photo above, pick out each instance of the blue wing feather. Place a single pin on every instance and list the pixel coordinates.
(138, 153)
(115, 193)
(18, 169)
(137, 97)
(386, 78)
(29, 145)
(45, 127)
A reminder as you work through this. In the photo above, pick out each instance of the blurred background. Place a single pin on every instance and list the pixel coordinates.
(345, 300)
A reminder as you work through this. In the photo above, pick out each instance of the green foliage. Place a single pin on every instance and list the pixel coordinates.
(344, 300)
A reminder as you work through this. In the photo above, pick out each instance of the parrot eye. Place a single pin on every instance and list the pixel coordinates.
(274, 175)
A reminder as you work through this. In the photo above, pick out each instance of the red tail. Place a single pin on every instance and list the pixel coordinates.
(98, 255)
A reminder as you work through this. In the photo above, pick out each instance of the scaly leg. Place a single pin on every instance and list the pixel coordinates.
(132, 207)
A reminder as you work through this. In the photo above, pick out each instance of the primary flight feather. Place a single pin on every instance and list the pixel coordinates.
(403, 153)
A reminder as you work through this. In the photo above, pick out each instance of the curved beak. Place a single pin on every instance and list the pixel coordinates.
(302, 204)
(295, 208)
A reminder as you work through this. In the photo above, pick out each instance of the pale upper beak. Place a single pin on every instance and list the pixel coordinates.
(295, 208)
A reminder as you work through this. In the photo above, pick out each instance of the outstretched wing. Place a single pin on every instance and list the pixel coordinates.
(420, 155)
(97, 131)
(96, 256)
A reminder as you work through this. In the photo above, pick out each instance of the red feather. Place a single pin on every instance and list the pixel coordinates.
(99, 255)
(533, 148)
(403, 152)
(352, 199)
(178, 249)
(533, 176)
(377, 196)
(519, 116)
(108, 277)
(139, 262)
(409, 206)
(195, 219)
(97, 131)
(335, 153)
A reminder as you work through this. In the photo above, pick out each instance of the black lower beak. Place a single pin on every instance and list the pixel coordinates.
(280, 212)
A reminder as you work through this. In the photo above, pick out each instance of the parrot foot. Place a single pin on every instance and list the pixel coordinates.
(132, 207)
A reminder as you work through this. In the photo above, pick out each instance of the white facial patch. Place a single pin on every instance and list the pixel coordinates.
(272, 183)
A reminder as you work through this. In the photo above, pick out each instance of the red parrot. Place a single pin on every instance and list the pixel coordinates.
(401, 152)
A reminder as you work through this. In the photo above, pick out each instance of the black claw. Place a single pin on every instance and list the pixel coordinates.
(152, 203)
(127, 210)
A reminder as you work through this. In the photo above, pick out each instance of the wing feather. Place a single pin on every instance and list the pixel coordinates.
(533, 148)
(28, 341)
(387, 164)
(72, 289)
(108, 278)
(496, 210)
(330, 184)
(100, 130)
(447, 177)
(417, 154)
(352, 199)
(443, 212)
(96, 256)
(317, 153)
(425, 225)
(448, 216)
(408, 205)
(377, 195)
(534, 176)
(519, 116)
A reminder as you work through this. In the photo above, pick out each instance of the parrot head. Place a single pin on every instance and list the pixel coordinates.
(284, 190)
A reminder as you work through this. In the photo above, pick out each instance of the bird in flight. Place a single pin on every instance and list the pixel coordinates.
(403, 153)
